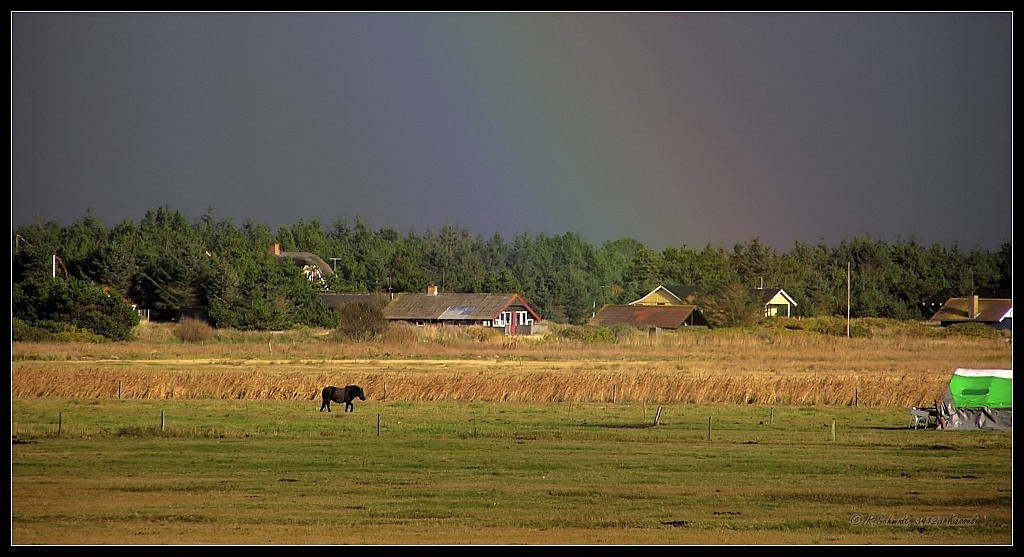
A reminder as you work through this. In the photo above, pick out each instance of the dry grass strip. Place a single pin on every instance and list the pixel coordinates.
(471, 381)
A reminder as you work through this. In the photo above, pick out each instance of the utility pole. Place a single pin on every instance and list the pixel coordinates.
(847, 299)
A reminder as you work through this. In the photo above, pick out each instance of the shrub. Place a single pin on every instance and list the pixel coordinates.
(54, 331)
(78, 334)
(485, 334)
(399, 333)
(21, 331)
(361, 321)
(836, 326)
(193, 330)
(859, 331)
(624, 331)
(973, 330)
(587, 333)
(826, 326)
(779, 322)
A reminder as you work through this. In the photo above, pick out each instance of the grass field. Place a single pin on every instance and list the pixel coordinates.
(760, 440)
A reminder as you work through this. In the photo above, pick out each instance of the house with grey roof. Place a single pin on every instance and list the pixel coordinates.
(509, 312)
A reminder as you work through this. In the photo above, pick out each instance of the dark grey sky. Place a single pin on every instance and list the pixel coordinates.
(676, 129)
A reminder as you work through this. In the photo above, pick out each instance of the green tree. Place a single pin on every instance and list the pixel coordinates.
(642, 275)
(678, 266)
(80, 241)
(374, 253)
(115, 262)
(310, 237)
(34, 248)
(815, 279)
(755, 264)
(713, 271)
(407, 266)
(731, 306)
(615, 258)
(73, 302)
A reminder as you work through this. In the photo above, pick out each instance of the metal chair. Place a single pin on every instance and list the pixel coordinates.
(920, 417)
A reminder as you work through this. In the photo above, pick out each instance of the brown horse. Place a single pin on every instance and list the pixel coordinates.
(342, 394)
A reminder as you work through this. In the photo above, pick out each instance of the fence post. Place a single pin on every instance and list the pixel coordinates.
(161, 421)
(60, 418)
(833, 430)
(709, 428)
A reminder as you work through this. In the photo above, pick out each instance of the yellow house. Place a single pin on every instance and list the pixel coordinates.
(775, 301)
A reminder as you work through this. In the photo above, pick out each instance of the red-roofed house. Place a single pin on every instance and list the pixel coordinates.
(657, 317)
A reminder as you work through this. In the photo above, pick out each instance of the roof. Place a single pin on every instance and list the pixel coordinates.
(307, 258)
(452, 307)
(990, 310)
(682, 291)
(767, 294)
(663, 317)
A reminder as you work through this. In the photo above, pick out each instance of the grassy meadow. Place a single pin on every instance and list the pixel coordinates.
(761, 438)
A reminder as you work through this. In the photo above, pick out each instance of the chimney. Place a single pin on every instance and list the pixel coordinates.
(432, 291)
(972, 307)
(276, 249)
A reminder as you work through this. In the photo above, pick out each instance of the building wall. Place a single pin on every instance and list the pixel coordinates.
(778, 305)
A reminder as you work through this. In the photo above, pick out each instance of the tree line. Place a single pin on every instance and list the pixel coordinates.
(165, 263)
